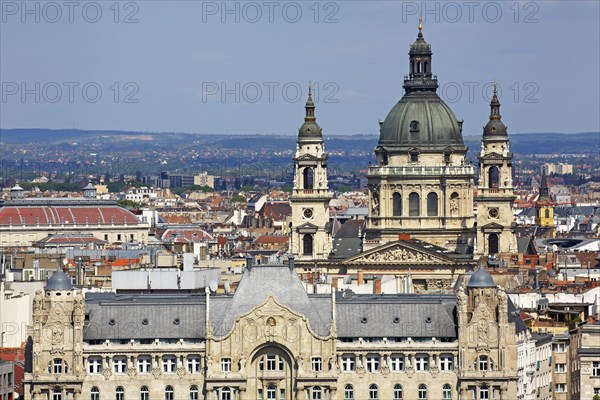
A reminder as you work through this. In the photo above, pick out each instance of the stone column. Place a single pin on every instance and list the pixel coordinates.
(242, 393)
(464, 393)
(503, 395)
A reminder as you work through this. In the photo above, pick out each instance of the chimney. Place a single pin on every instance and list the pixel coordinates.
(248, 262)
(377, 283)
(291, 262)
(359, 279)
(404, 236)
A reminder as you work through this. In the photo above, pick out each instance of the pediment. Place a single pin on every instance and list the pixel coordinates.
(307, 157)
(402, 253)
(307, 227)
(492, 226)
(492, 156)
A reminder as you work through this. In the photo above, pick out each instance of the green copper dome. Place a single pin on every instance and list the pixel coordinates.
(421, 119)
(310, 131)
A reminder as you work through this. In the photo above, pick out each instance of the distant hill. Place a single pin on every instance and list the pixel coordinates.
(113, 140)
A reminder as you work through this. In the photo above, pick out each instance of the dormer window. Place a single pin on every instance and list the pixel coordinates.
(414, 126)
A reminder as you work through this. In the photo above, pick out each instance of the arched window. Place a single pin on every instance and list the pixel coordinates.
(422, 393)
(349, 392)
(308, 178)
(398, 392)
(58, 366)
(432, 204)
(414, 206)
(373, 392)
(484, 393)
(95, 394)
(317, 393)
(57, 393)
(169, 393)
(493, 243)
(447, 392)
(307, 244)
(145, 393)
(194, 394)
(494, 177)
(226, 393)
(547, 213)
(120, 393)
(397, 204)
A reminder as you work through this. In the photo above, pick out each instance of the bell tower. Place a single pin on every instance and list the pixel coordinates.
(544, 206)
(310, 234)
(495, 196)
(487, 340)
(57, 334)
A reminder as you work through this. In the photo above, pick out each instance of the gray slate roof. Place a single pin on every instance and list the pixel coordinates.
(121, 317)
(404, 315)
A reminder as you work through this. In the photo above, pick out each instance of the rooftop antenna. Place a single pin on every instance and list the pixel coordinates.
(213, 286)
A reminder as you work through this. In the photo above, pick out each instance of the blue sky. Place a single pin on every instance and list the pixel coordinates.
(164, 65)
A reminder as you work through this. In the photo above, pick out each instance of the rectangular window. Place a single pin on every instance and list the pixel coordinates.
(193, 364)
(271, 362)
(57, 366)
(372, 363)
(446, 362)
(259, 394)
(397, 362)
(559, 348)
(422, 362)
(348, 363)
(596, 368)
(225, 364)
(119, 365)
(281, 394)
(169, 364)
(144, 363)
(560, 367)
(561, 388)
(94, 365)
(317, 364)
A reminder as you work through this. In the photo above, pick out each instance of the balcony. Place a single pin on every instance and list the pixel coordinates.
(442, 170)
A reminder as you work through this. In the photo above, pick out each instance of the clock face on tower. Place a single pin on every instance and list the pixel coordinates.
(493, 213)
(307, 213)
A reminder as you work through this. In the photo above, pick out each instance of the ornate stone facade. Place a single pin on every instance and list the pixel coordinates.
(495, 196)
(311, 239)
(272, 340)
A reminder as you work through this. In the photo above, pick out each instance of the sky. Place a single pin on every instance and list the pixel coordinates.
(244, 67)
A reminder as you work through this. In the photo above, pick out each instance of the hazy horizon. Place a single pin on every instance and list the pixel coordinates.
(197, 68)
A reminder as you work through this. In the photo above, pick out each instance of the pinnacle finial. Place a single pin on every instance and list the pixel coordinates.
(309, 88)
(420, 23)
(495, 90)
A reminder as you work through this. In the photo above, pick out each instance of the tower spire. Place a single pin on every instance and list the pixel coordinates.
(310, 106)
(495, 126)
(420, 25)
(544, 191)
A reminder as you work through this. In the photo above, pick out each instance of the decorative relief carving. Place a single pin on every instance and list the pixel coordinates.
(396, 255)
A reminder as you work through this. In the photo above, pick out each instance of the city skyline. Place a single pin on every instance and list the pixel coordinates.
(199, 74)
